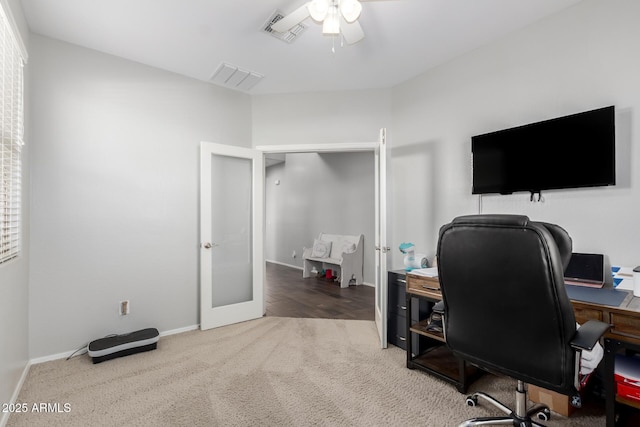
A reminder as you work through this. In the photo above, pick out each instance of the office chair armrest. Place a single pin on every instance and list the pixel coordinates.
(588, 335)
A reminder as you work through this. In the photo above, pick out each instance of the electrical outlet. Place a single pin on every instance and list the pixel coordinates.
(125, 307)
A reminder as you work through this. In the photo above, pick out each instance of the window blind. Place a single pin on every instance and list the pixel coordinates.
(11, 140)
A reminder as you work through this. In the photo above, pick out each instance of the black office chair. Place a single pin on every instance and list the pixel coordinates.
(506, 309)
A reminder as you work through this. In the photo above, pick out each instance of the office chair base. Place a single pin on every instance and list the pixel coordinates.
(493, 421)
(521, 417)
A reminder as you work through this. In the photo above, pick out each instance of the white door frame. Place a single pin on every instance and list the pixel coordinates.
(350, 147)
(381, 247)
(347, 147)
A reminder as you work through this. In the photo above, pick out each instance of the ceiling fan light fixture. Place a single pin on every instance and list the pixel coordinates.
(350, 10)
(318, 9)
(331, 24)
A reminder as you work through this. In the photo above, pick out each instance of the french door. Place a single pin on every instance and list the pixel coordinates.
(231, 234)
(381, 294)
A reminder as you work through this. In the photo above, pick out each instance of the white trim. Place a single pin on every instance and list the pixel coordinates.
(381, 238)
(285, 264)
(320, 148)
(14, 398)
(180, 330)
(51, 357)
(15, 30)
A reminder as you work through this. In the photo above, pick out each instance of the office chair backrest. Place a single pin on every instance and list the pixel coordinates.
(506, 308)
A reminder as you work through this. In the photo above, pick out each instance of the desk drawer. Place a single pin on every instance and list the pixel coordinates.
(397, 298)
(420, 283)
(584, 314)
(397, 331)
(625, 325)
(397, 335)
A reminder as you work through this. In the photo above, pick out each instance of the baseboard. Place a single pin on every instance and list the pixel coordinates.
(5, 416)
(51, 357)
(284, 264)
(180, 330)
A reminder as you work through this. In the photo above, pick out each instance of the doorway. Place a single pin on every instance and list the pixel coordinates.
(310, 193)
(379, 149)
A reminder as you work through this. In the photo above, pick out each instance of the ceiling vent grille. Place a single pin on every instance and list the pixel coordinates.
(235, 78)
(287, 37)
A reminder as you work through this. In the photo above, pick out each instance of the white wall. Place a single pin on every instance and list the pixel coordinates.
(14, 275)
(331, 193)
(575, 61)
(318, 118)
(115, 181)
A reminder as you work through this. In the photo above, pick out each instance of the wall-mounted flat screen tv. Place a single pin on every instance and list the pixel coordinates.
(566, 152)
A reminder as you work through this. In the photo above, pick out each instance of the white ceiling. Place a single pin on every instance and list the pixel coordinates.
(403, 38)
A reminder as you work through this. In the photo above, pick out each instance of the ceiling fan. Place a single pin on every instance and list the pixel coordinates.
(336, 16)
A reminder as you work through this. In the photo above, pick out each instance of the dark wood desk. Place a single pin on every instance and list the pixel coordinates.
(624, 335)
(624, 319)
(434, 357)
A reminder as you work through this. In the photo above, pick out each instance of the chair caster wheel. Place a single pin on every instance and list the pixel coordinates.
(471, 401)
(544, 415)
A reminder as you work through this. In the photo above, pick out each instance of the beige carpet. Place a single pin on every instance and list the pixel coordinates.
(267, 372)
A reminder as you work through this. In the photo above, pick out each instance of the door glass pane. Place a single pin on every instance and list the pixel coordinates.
(231, 215)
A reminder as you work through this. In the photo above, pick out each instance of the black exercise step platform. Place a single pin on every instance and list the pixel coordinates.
(123, 345)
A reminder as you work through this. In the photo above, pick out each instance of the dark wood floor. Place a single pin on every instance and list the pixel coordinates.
(289, 295)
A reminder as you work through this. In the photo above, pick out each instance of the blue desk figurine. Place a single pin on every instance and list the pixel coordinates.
(411, 259)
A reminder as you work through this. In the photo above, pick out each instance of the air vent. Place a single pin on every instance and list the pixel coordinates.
(234, 77)
(288, 36)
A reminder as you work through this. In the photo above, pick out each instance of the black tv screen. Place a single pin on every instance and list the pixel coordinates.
(566, 152)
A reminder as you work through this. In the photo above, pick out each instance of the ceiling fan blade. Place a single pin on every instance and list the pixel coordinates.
(352, 33)
(295, 17)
